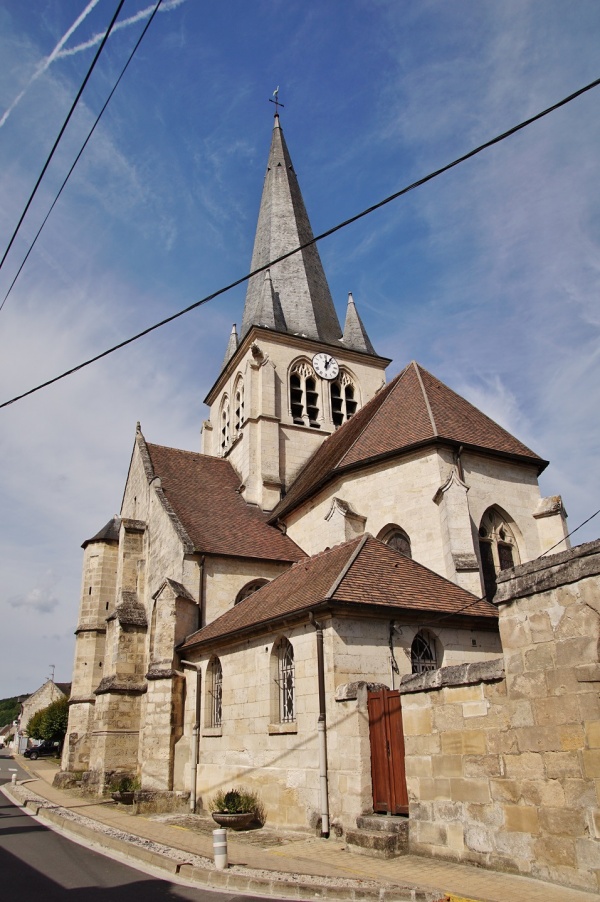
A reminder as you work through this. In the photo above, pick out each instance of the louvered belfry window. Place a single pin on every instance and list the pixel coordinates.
(286, 682)
(304, 396)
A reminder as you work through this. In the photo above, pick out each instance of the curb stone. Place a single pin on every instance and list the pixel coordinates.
(298, 887)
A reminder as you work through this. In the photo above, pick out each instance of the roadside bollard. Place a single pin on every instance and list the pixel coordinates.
(220, 848)
(13, 779)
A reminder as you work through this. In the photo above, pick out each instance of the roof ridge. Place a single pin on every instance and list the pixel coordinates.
(336, 583)
(417, 368)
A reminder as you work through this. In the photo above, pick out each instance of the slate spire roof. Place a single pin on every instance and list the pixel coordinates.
(413, 410)
(362, 575)
(299, 284)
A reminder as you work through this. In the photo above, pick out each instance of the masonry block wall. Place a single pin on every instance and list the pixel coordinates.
(503, 758)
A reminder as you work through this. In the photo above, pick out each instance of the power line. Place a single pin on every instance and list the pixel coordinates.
(77, 158)
(484, 597)
(301, 247)
(61, 132)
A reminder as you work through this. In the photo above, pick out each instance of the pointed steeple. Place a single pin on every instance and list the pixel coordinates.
(268, 311)
(298, 282)
(231, 346)
(355, 334)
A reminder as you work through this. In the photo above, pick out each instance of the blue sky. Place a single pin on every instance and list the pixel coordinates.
(488, 276)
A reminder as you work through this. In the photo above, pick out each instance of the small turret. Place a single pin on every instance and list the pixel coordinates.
(355, 334)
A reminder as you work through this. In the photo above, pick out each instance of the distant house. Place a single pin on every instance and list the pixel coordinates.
(41, 698)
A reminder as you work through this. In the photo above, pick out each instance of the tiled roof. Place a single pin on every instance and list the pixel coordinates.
(414, 409)
(202, 492)
(364, 573)
(108, 533)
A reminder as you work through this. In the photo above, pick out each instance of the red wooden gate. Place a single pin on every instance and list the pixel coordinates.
(388, 776)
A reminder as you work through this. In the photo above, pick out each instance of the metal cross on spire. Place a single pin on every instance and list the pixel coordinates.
(277, 102)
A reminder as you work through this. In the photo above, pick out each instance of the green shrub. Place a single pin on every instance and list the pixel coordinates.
(239, 801)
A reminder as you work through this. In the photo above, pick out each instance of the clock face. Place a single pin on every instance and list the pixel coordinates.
(326, 366)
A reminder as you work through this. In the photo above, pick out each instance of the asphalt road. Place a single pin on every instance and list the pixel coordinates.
(39, 865)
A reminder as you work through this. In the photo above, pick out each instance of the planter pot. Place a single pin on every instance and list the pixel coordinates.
(125, 798)
(234, 821)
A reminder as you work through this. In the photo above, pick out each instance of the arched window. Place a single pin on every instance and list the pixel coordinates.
(225, 434)
(283, 654)
(214, 700)
(250, 589)
(497, 548)
(238, 414)
(423, 655)
(396, 538)
(343, 401)
(304, 397)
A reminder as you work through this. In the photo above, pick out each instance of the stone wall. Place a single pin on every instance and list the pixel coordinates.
(503, 758)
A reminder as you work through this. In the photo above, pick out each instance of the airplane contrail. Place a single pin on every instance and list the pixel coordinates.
(59, 52)
(142, 14)
(47, 61)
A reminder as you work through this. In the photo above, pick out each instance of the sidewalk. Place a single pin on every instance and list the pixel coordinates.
(301, 867)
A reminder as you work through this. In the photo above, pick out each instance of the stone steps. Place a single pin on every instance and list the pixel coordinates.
(379, 836)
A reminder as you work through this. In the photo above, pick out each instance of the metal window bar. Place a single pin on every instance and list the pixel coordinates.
(286, 683)
(422, 655)
(217, 695)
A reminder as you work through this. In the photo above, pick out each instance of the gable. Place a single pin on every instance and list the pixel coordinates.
(414, 410)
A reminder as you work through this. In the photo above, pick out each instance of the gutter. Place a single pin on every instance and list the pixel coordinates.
(322, 729)
(195, 735)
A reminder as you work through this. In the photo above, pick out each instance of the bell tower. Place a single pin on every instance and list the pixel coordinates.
(292, 376)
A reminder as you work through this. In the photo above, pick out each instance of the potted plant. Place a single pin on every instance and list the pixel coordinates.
(123, 789)
(236, 808)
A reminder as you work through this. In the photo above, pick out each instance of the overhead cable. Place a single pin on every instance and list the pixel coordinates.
(83, 146)
(301, 247)
(61, 132)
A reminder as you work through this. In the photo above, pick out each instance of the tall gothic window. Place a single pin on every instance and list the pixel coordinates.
(423, 655)
(215, 693)
(286, 681)
(238, 412)
(396, 538)
(343, 401)
(304, 397)
(497, 548)
(225, 434)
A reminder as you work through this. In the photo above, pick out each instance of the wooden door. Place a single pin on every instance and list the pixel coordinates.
(388, 776)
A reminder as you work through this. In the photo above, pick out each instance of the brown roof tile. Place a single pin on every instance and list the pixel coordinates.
(363, 572)
(413, 409)
(202, 492)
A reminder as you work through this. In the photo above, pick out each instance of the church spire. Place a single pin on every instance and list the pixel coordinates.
(299, 285)
(231, 345)
(355, 334)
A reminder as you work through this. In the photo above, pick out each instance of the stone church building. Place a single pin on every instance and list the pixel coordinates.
(254, 603)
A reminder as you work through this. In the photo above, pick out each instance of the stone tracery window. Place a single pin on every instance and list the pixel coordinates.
(497, 548)
(250, 588)
(423, 656)
(343, 399)
(214, 705)
(396, 538)
(304, 396)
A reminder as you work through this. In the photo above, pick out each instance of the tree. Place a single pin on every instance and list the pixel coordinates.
(50, 722)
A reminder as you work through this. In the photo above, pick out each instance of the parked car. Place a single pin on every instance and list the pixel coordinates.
(44, 749)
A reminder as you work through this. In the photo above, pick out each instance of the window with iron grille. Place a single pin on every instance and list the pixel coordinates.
(422, 653)
(286, 682)
(216, 693)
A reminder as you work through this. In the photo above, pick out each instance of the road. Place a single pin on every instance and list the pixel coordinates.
(40, 865)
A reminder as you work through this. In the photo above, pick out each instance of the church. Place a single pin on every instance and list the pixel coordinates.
(248, 616)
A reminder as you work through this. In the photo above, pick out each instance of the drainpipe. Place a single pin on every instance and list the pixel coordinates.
(195, 735)
(322, 728)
